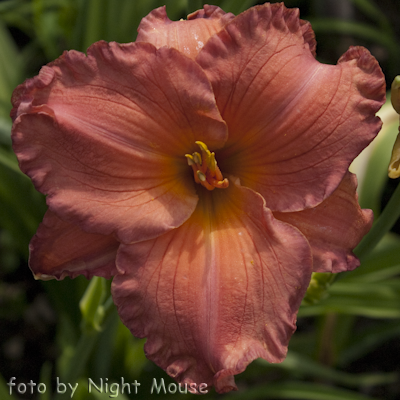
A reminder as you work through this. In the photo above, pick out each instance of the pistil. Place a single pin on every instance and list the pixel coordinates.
(205, 168)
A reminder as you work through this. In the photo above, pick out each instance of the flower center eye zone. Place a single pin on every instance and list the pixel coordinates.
(205, 168)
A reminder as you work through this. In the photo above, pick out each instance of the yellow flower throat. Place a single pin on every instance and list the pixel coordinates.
(205, 168)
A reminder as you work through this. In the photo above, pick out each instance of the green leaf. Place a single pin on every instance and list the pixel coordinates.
(22, 206)
(5, 390)
(373, 300)
(113, 392)
(17, 13)
(193, 5)
(95, 21)
(10, 71)
(5, 128)
(236, 7)
(302, 366)
(46, 22)
(176, 8)
(101, 360)
(374, 12)
(298, 391)
(131, 13)
(128, 351)
(75, 362)
(379, 266)
(45, 377)
(361, 31)
(368, 340)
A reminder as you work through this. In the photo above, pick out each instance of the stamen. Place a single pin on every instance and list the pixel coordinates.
(201, 176)
(211, 163)
(205, 168)
(218, 173)
(220, 184)
(197, 158)
(190, 159)
(203, 146)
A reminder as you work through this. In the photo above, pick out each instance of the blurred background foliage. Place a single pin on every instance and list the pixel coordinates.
(347, 345)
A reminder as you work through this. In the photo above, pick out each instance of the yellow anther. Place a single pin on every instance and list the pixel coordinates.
(203, 146)
(201, 176)
(190, 159)
(197, 158)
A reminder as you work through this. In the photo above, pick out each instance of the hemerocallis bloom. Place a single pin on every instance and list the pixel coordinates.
(205, 168)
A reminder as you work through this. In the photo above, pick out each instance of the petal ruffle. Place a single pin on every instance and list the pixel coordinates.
(217, 292)
(105, 136)
(61, 249)
(333, 228)
(187, 36)
(294, 124)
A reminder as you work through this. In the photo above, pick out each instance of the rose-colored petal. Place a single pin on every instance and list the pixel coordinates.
(334, 227)
(61, 249)
(217, 292)
(105, 136)
(187, 36)
(294, 124)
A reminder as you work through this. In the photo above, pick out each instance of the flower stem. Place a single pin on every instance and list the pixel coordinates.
(78, 361)
(81, 354)
(383, 224)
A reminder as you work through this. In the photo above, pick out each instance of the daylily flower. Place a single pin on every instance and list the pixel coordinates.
(205, 167)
